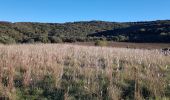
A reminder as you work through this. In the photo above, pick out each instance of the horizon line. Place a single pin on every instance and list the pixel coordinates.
(83, 21)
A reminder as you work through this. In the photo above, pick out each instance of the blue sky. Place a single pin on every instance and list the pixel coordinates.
(83, 10)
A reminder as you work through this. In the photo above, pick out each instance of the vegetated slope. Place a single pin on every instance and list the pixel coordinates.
(59, 72)
(29, 32)
(49, 32)
(155, 31)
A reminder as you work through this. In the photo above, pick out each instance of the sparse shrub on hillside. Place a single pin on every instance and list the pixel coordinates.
(115, 38)
(122, 38)
(142, 30)
(165, 34)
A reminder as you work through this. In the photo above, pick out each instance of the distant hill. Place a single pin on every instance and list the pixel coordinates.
(30, 32)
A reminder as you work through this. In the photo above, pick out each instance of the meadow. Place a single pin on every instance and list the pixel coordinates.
(74, 72)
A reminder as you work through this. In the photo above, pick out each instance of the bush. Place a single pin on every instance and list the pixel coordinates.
(115, 38)
(55, 39)
(6, 40)
(43, 39)
(70, 40)
(122, 38)
(101, 43)
(30, 41)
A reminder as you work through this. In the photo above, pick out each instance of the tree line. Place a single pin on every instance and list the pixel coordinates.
(30, 32)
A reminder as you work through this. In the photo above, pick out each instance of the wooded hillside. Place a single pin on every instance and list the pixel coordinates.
(29, 32)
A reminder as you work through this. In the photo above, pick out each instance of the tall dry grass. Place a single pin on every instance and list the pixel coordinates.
(100, 72)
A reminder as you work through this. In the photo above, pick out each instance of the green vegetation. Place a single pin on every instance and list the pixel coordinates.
(154, 31)
(6, 40)
(101, 43)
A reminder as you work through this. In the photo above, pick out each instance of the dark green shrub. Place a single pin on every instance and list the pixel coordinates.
(81, 39)
(115, 38)
(55, 39)
(167, 91)
(43, 39)
(30, 93)
(70, 40)
(44, 89)
(30, 41)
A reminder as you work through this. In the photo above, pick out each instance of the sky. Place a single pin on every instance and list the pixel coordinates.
(60, 11)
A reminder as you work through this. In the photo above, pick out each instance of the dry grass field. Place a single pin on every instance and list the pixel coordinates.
(74, 72)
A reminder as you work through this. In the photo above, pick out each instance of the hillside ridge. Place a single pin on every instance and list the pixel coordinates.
(85, 31)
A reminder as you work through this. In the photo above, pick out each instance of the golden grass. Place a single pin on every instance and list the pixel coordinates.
(145, 67)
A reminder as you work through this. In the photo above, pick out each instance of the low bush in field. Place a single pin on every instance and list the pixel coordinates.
(101, 43)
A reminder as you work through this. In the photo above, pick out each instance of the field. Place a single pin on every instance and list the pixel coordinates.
(74, 72)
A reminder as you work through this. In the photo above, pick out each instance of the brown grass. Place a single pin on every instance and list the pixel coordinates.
(145, 67)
